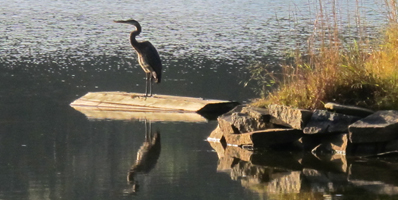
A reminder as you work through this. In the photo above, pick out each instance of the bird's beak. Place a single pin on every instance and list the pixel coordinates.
(119, 21)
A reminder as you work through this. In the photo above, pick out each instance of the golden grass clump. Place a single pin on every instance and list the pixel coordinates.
(382, 64)
(334, 75)
(353, 74)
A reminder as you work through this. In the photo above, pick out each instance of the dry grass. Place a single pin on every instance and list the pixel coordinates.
(351, 74)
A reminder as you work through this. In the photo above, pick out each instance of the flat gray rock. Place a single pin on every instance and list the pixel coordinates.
(324, 122)
(382, 126)
(291, 117)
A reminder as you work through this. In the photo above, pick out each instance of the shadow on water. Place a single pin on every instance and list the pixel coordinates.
(296, 175)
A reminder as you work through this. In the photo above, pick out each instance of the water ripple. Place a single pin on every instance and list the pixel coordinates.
(215, 29)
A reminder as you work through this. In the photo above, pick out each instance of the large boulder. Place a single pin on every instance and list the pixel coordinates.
(261, 115)
(382, 126)
(291, 117)
(244, 123)
(323, 121)
(244, 119)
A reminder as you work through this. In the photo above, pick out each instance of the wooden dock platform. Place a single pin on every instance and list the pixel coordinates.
(137, 102)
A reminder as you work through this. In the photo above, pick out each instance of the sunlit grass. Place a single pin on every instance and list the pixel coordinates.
(355, 73)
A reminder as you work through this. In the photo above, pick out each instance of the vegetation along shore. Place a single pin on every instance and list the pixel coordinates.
(361, 72)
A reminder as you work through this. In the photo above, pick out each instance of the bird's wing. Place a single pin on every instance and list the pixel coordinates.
(151, 57)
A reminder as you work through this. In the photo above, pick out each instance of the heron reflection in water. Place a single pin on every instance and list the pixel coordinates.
(147, 157)
(148, 56)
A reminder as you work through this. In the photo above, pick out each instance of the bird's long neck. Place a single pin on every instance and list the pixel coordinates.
(133, 34)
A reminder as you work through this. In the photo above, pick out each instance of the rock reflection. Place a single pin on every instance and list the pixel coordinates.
(147, 157)
(282, 175)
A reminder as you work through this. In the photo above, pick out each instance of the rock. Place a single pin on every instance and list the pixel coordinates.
(216, 135)
(245, 123)
(263, 116)
(239, 139)
(264, 138)
(291, 117)
(246, 119)
(349, 110)
(243, 120)
(323, 121)
(226, 124)
(260, 114)
(382, 126)
(225, 121)
(332, 144)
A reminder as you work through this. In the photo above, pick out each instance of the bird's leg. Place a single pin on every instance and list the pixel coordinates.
(150, 85)
(147, 75)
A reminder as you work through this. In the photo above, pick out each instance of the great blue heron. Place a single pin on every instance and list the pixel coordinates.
(148, 56)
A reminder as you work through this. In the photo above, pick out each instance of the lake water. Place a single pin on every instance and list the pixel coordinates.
(54, 51)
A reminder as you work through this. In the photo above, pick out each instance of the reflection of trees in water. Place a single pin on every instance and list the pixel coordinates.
(147, 157)
(286, 175)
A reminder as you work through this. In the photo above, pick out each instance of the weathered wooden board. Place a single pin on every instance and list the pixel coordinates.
(123, 101)
(95, 113)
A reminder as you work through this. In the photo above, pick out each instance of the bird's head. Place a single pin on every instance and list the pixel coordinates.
(130, 21)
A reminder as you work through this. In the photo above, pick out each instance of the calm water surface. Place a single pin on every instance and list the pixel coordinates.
(53, 52)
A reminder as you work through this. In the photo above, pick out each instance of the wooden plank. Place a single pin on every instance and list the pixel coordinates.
(138, 102)
(95, 113)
